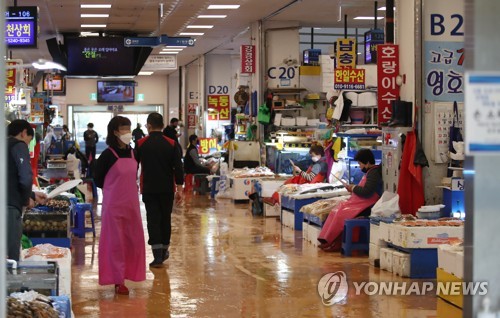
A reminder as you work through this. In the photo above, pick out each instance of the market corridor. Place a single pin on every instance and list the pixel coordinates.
(226, 263)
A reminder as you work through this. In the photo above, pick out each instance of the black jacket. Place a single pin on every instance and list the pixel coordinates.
(373, 183)
(161, 164)
(20, 175)
(91, 138)
(171, 133)
(192, 164)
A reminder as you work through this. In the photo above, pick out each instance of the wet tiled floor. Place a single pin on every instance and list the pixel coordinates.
(226, 263)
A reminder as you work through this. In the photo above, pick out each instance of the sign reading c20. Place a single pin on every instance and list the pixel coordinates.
(281, 72)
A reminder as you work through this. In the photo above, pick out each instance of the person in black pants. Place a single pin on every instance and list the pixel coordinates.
(91, 138)
(161, 164)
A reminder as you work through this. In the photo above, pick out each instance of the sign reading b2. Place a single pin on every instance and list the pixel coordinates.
(441, 24)
(281, 72)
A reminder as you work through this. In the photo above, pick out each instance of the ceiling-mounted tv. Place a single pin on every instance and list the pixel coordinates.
(115, 91)
(99, 56)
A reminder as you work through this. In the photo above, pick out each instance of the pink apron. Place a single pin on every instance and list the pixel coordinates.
(122, 251)
(349, 209)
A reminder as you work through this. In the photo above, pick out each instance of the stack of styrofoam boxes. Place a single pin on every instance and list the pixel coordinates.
(451, 259)
(288, 219)
(313, 233)
(269, 187)
(327, 73)
(301, 121)
(386, 258)
(401, 264)
(424, 237)
(376, 243)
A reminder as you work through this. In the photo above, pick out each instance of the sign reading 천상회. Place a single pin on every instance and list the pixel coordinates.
(21, 27)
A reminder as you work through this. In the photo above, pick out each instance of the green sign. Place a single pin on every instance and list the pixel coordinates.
(140, 97)
(93, 96)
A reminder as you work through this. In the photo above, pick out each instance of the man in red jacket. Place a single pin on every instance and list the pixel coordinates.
(161, 165)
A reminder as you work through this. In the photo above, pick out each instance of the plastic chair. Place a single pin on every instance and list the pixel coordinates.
(188, 182)
(79, 228)
(363, 244)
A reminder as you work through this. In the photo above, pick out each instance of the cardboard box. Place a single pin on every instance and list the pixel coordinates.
(386, 259)
(424, 237)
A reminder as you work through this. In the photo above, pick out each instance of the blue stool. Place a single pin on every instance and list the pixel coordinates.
(214, 186)
(79, 228)
(364, 236)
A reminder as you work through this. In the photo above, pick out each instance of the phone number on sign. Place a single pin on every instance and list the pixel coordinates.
(349, 86)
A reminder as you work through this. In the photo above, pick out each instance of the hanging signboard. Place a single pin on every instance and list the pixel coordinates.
(351, 79)
(21, 27)
(161, 62)
(482, 113)
(220, 106)
(191, 120)
(10, 79)
(372, 39)
(247, 59)
(387, 89)
(444, 50)
(192, 108)
(207, 145)
(346, 53)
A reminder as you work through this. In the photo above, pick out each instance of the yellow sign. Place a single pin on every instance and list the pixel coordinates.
(346, 53)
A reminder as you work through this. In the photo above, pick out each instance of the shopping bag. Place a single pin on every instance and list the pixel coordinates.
(387, 205)
(455, 133)
(264, 115)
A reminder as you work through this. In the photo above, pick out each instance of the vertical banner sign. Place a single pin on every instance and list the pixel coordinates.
(192, 108)
(221, 106)
(191, 120)
(349, 78)
(387, 70)
(346, 53)
(247, 59)
(444, 50)
(10, 82)
(206, 145)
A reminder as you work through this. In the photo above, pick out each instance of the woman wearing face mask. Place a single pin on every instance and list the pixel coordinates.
(363, 197)
(121, 245)
(316, 172)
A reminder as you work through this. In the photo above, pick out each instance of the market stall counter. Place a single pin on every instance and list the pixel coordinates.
(241, 181)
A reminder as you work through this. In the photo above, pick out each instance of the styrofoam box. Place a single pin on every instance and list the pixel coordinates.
(386, 259)
(269, 187)
(424, 237)
(401, 264)
(305, 229)
(459, 260)
(451, 260)
(289, 219)
(313, 233)
(374, 233)
(385, 231)
(271, 210)
(374, 253)
(313, 122)
(285, 121)
(301, 121)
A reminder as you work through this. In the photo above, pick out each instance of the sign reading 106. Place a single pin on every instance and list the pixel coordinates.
(281, 72)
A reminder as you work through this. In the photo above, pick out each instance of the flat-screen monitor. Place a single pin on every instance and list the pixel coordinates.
(115, 91)
(53, 83)
(99, 56)
(311, 56)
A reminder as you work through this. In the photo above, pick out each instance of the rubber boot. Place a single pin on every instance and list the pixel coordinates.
(158, 258)
(403, 115)
(394, 105)
(165, 253)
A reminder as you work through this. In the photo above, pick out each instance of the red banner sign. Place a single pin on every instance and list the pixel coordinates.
(349, 78)
(218, 107)
(248, 59)
(387, 71)
(191, 120)
(10, 79)
(192, 108)
(207, 144)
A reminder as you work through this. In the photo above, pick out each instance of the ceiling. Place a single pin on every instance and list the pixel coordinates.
(142, 18)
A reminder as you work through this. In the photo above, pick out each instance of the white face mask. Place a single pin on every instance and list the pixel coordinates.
(126, 138)
(316, 158)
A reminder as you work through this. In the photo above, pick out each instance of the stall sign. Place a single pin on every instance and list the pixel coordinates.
(191, 120)
(37, 106)
(10, 79)
(247, 59)
(21, 27)
(207, 145)
(387, 89)
(192, 108)
(352, 79)
(161, 62)
(444, 54)
(220, 104)
(372, 39)
(346, 53)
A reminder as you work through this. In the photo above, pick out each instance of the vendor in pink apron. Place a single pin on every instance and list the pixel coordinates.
(363, 197)
(122, 252)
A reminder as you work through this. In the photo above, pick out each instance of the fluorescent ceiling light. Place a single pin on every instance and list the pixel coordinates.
(223, 6)
(170, 49)
(212, 16)
(175, 47)
(190, 33)
(199, 26)
(95, 6)
(144, 73)
(89, 34)
(165, 52)
(42, 64)
(94, 15)
(368, 18)
(93, 25)
(384, 9)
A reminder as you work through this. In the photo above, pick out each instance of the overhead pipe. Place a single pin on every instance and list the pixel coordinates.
(345, 26)
(375, 15)
(389, 21)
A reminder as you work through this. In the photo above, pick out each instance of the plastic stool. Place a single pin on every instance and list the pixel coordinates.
(201, 183)
(79, 228)
(214, 186)
(363, 243)
(188, 182)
